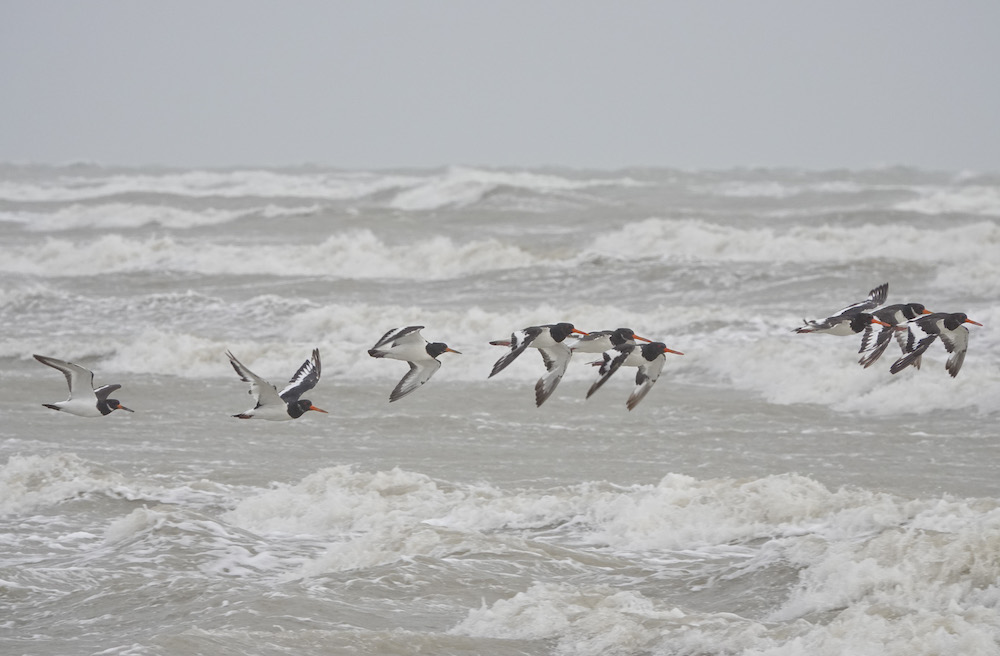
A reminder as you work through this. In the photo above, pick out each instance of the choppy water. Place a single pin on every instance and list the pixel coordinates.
(769, 496)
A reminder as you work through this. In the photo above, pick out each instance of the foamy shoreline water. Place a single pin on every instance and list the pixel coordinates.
(769, 496)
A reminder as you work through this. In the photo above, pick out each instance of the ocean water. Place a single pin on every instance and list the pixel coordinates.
(769, 496)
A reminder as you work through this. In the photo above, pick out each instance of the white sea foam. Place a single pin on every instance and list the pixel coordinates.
(377, 517)
(692, 239)
(357, 254)
(31, 482)
(331, 185)
(966, 252)
(780, 190)
(135, 215)
(581, 621)
(457, 186)
(118, 215)
(184, 540)
(925, 563)
(968, 199)
(895, 571)
(460, 187)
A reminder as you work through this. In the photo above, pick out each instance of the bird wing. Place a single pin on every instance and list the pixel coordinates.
(556, 358)
(304, 379)
(917, 341)
(418, 374)
(80, 380)
(263, 392)
(519, 340)
(876, 297)
(613, 360)
(875, 350)
(957, 343)
(104, 391)
(399, 336)
(644, 379)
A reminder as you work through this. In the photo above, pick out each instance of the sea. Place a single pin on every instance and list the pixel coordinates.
(769, 497)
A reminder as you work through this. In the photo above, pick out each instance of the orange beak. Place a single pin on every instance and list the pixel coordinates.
(974, 323)
(451, 350)
(666, 350)
(881, 323)
(579, 332)
(926, 311)
(312, 407)
(642, 338)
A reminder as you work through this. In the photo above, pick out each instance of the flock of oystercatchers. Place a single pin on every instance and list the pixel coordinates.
(914, 327)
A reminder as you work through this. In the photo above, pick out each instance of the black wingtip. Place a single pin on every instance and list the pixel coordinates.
(879, 294)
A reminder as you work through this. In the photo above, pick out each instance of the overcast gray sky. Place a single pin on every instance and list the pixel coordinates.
(695, 84)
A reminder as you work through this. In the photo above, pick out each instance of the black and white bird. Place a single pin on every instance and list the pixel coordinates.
(852, 319)
(874, 345)
(84, 400)
(286, 404)
(550, 340)
(921, 333)
(409, 345)
(649, 358)
(599, 341)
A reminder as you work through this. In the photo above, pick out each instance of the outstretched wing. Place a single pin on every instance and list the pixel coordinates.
(876, 297)
(414, 378)
(519, 340)
(263, 392)
(304, 379)
(915, 348)
(556, 358)
(104, 391)
(613, 360)
(399, 336)
(644, 380)
(875, 350)
(957, 343)
(80, 380)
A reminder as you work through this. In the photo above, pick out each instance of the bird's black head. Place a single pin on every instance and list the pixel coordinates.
(300, 407)
(953, 321)
(435, 349)
(622, 335)
(652, 350)
(860, 321)
(561, 331)
(917, 308)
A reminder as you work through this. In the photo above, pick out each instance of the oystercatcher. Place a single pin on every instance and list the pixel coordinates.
(852, 319)
(549, 339)
(599, 341)
(284, 405)
(84, 400)
(649, 358)
(895, 316)
(921, 333)
(409, 345)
